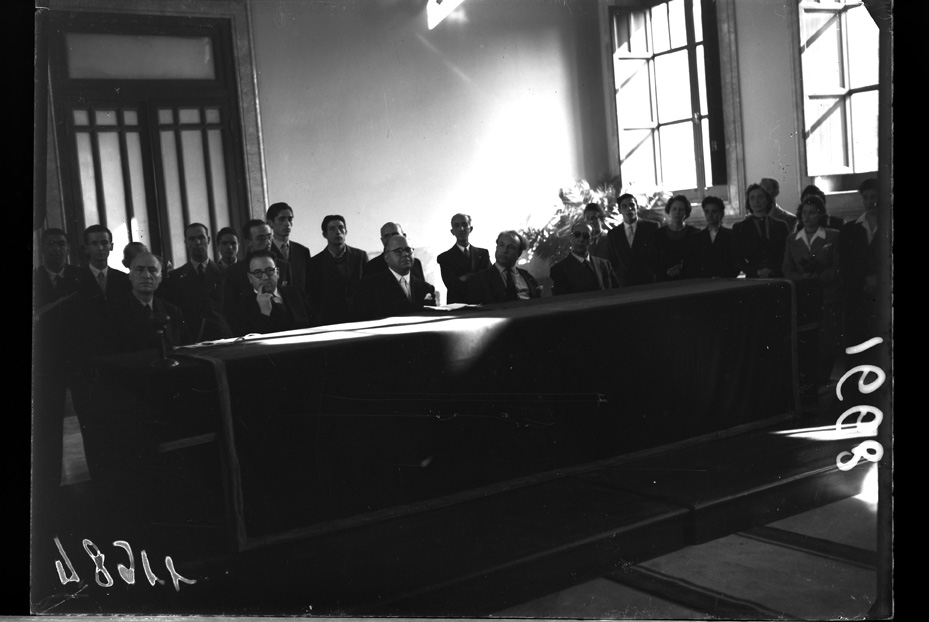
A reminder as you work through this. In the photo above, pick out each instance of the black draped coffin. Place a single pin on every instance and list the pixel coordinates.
(317, 427)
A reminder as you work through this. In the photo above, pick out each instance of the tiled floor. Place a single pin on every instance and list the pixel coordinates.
(733, 576)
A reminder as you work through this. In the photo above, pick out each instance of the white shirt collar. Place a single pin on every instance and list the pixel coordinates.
(60, 273)
(95, 271)
(462, 248)
(801, 235)
(863, 220)
(579, 258)
(400, 276)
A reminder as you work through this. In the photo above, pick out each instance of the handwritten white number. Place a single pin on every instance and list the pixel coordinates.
(864, 345)
(148, 570)
(862, 386)
(98, 558)
(175, 577)
(868, 427)
(128, 574)
(869, 450)
(61, 571)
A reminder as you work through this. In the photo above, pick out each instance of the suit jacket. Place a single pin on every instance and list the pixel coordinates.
(236, 283)
(130, 330)
(380, 295)
(668, 252)
(379, 265)
(455, 265)
(487, 286)
(88, 313)
(50, 327)
(299, 263)
(858, 258)
(633, 266)
(707, 258)
(44, 293)
(600, 246)
(200, 301)
(754, 252)
(245, 316)
(570, 276)
(332, 292)
(797, 257)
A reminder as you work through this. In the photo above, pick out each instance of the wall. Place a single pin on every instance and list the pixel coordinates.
(769, 120)
(367, 113)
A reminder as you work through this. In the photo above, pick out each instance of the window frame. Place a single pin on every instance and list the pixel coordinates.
(729, 99)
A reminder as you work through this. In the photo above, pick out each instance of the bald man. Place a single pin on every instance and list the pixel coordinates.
(580, 271)
(396, 291)
(461, 261)
(379, 263)
(503, 281)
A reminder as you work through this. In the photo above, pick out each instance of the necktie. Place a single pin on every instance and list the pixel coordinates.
(630, 233)
(510, 285)
(201, 272)
(147, 312)
(285, 250)
(467, 253)
(101, 281)
(762, 227)
(56, 283)
(406, 288)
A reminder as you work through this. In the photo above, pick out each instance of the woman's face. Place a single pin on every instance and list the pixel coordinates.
(677, 211)
(758, 202)
(810, 217)
(713, 214)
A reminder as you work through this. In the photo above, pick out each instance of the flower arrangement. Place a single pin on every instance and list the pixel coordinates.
(550, 243)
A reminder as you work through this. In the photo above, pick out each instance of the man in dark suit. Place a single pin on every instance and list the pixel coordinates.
(53, 283)
(268, 307)
(379, 263)
(335, 273)
(580, 271)
(599, 240)
(137, 315)
(397, 290)
(710, 252)
(632, 245)
(280, 217)
(197, 287)
(257, 235)
(759, 239)
(227, 247)
(461, 261)
(503, 281)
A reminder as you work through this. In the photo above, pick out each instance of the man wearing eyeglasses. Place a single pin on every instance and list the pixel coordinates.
(269, 306)
(461, 261)
(503, 281)
(580, 271)
(257, 235)
(379, 263)
(396, 291)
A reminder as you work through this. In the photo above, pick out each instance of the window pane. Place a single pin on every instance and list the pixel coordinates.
(707, 159)
(105, 117)
(218, 171)
(863, 54)
(864, 131)
(637, 158)
(698, 22)
(822, 51)
(140, 226)
(212, 115)
(81, 117)
(633, 100)
(165, 116)
(189, 115)
(660, 39)
(677, 157)
(195, 177)
(103, 56)
(701, 79)
(677, 24)
(85, 161)
(130, 117)
(112, 175)
(174, 252)
(826, 144)
(638, 40)
(672, 80)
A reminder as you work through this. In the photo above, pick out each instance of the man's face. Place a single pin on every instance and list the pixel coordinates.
(869, 200)
(580, 238)
(769, 186)
(54, 252)
(336, 232)
(266, 280)
(98, 247)
(283, 223)
(145, 274)
(461, 229)
(592, 217)
(713, 214)
(260, 239)
(228, 247)
(399, 255)
(628, 207)
(197, 241)
(508, 251)
(390, 230)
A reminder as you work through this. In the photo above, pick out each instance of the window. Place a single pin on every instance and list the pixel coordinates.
(147, 110)
(667, 88)
(839, 59)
